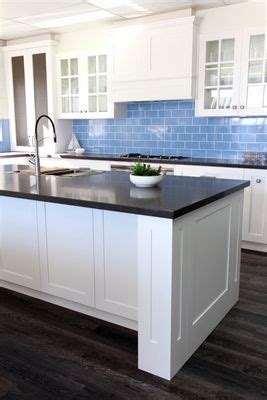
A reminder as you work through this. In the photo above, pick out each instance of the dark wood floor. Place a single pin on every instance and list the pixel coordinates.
(48, 353)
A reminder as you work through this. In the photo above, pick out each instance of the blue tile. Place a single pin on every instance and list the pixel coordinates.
(186, 105)
(192, 129)
(185, 136)
(239, 129)
(171, 105)
(239, 146)
(189, 113)
(199, 153)
(207, 129)
(217, 137)
(247, 138)
(207, 145)
(200, 137)
(255, 147)
(222, 146)
(157, 105)
(214, 154)
(192, 145)
(200, 121)
(230, 154)
(150, 114)
(261, 138)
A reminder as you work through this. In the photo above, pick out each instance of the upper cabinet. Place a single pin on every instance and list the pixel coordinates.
(232, 74)
(153, 61)
(83, 87)
(30, 89)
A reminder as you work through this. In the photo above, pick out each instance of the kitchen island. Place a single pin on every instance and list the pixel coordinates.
(163, 261)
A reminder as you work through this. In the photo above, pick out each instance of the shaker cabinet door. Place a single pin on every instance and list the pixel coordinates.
(255, 207)
(67, 260)
(19, 254)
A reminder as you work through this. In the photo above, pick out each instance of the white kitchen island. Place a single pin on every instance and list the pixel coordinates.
(163, 261)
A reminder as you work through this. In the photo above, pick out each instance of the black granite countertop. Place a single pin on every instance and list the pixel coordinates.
(174, 197)
(214, 162)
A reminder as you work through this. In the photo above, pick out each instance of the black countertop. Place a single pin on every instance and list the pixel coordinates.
(214, 162)
(174, 197)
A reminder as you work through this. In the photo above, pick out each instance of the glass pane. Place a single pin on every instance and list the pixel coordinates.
(254, 97)
(256, 48)
(74, 66)
(91, 65)
(226, 75)
(265, 77)
(92, 102)
(211, 75)
(227, 49)
(102, 84)
(225, 98)
(212, 51)
(74, 85)
(74, 104)
(18, 76)
(265, 97)
(64, 67)
(40, 91)
(211, 98)
(255, 71)
(102, 63)
(65, 86)
(92, 84)
(103, 102)
(65, 104)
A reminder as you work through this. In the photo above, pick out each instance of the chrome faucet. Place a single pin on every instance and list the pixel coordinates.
(36, 143)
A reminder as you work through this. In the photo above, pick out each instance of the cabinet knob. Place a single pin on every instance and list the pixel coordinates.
(242, 107)
(234, 107)
(81, 111)
(258, 180)
(85, 111)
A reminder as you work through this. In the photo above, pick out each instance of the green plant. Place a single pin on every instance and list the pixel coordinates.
(145, 170)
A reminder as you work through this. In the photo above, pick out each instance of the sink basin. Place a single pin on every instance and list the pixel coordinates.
(63, 172)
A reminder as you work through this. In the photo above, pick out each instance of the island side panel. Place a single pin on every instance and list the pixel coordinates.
(188, 279)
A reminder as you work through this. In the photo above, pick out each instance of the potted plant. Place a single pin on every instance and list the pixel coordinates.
(144, 176)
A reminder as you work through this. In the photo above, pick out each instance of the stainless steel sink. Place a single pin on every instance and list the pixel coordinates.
(63, 172)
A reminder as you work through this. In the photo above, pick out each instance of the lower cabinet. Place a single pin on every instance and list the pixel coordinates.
(79, 254)
(67, 252)
(255, 207)
(19, 246)
(115, 238)
(255, 200)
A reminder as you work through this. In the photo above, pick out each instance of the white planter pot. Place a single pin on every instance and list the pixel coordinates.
(145, 181)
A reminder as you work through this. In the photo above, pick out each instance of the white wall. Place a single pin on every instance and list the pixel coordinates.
(3, 97)
(236, 16)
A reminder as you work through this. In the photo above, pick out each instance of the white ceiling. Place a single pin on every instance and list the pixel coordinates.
(19, 18)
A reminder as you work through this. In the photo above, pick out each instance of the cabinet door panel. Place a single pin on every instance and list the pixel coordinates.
(19, 257)
(213, 172)
(115, 237)
(69, 268)
(255, 207)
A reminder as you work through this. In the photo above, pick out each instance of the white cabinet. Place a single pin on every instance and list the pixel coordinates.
(19, 252)
(83, 87)
(153, 61)
(31, 92)
(115, 239)
(212, 172)
(232, 74)
(67, 253)
(255, 207)
(253, 91)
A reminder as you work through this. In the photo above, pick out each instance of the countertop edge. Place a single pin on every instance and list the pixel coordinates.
(185, 161)
(124, 208)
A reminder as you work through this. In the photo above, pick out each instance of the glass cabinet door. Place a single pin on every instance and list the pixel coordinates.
(40, 92)
(256, 85)
(97, 83)
(219, 74)
(19, 93)
(69, 81)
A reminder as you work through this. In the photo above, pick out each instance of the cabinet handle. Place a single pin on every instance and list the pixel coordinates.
(242, 107)
(258, 180)
(234, 107)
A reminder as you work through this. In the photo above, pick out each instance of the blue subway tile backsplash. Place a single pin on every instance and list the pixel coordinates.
(5, 140)
(171, 128)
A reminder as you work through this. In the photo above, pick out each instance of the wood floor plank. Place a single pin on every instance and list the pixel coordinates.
(50, 353)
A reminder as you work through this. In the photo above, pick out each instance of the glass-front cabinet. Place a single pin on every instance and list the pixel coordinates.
(254, 74)
(29, 94)
(232, 75)
(83, 87)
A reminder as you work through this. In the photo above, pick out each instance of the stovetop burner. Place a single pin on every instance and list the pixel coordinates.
(151, 156)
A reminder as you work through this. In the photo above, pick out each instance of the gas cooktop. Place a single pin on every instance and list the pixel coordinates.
(151, 156)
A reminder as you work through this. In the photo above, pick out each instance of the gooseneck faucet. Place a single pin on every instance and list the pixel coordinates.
(37, 157)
